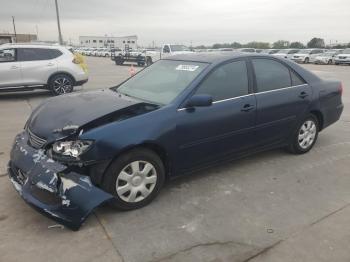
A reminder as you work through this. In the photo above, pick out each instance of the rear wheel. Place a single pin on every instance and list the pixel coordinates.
(61, 84)
(149, 61)
(305, 136)
(135, 179)
(118, 60)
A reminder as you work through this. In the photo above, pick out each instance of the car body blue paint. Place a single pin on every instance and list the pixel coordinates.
(189, 137)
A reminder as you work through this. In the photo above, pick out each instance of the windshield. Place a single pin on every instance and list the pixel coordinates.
(176, 48)
(162, 82)
(346, 51)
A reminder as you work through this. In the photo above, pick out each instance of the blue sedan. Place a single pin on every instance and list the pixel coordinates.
(186, 112)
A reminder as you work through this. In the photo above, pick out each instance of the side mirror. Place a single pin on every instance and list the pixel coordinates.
(199, 101)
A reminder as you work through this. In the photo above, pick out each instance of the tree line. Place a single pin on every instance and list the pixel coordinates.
(280, 44)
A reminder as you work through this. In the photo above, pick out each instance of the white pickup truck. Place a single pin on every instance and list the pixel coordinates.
(149, 56)
(166, 51)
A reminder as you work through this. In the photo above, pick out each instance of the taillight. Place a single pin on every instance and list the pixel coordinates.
(76, 61)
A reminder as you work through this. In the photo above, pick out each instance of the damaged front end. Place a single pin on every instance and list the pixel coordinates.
(51, 187)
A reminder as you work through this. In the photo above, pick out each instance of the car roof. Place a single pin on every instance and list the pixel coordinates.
(212, 57)
(31, 45)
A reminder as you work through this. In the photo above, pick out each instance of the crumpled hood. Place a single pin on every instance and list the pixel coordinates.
(66, 114)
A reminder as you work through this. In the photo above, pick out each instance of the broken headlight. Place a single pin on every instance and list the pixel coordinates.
(71, 148)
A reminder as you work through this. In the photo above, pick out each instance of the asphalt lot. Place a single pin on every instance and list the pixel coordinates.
(273, 206)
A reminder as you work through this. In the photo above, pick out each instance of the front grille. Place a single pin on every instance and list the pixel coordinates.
(35, 141)
(342, 57)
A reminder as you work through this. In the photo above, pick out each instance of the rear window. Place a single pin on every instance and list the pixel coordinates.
(37, 54)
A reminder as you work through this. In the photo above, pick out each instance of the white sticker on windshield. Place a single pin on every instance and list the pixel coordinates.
(190, 68)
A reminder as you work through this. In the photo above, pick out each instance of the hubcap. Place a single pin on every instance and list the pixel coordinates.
(307, 134)
(136, 181)
(62, 85)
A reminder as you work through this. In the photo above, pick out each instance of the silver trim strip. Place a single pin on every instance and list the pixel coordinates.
(279, 89)
(228, 99)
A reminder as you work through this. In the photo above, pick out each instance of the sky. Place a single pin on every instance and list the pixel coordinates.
(182, 21)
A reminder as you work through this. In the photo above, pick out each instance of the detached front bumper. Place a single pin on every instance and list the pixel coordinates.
(50, 187)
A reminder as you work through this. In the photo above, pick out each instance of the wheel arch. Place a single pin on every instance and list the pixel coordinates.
(61, 73)
(318, 114)
(157, 149)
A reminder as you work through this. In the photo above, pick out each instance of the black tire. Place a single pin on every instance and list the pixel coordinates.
(149, 61)
(330, 62)
(118, 60)
(307, 60)
(61, 84)
(294, 146)
(115, 170)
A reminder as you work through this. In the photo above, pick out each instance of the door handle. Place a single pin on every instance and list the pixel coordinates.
(14, 67)
(50, 64)
(247, 108)
(303, 95)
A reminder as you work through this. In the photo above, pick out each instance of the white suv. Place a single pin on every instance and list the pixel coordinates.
(307, 55)
(25, 66)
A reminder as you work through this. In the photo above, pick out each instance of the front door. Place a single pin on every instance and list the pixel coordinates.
(205, 134)
(10, 71)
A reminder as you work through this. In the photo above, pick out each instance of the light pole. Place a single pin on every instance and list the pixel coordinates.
(14, 28)
(60, 40)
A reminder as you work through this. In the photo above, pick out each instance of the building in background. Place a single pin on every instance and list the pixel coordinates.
(122, 42)
(20, 38)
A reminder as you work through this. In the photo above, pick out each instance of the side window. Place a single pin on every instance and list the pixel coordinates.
(227, 81)
(296, 80)
(7, 55)
(270, 75)
(36, 54)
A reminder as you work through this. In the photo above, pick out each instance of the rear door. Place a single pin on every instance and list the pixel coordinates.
(205, 134)
(282, 100)
(10, 71)
(37, 64)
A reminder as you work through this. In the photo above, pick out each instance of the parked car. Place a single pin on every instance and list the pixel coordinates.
(246, 50)
(99, 146)
(269, 51)
(326, 58)
(28, 67)
(307, 55)
(105, 52)
(286, 53)
(343, 58)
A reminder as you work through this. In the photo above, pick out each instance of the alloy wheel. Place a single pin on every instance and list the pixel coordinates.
(307, 134)
(62, 85)
(136, 181)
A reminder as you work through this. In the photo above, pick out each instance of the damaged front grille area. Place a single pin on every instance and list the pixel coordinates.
(34, 140)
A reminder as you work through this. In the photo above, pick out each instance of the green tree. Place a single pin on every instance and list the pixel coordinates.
(257, 45)
(297, 45)
(316, 43)
(236, 45)
(280, 44)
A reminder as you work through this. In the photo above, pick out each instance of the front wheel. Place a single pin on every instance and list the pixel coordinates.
(135, 179)
(61, 84)
(307, 60)
(304, 138)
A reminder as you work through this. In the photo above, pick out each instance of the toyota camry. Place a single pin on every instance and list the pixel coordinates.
(183, 113)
